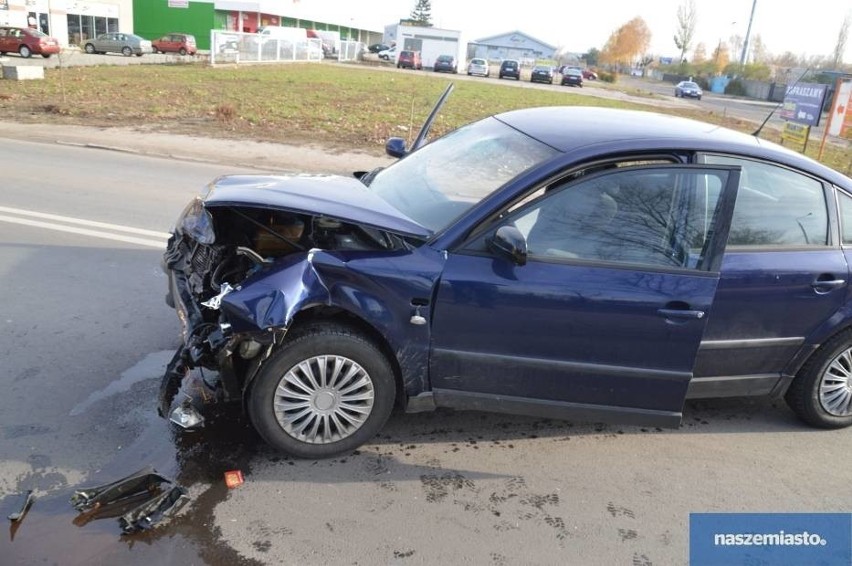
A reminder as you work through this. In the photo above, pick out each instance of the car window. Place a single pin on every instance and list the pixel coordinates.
(845, 217)
(776, 206)
(660, 217)
(444, 178)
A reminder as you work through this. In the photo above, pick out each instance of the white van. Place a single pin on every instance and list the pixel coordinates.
(279, 32)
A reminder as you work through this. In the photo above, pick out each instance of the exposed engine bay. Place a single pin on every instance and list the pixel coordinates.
(214, 250)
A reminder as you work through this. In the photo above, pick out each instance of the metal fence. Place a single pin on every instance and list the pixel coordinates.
(235, 47)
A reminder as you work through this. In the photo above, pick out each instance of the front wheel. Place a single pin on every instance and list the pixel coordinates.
(325, 392)
(182, 51)
(126, 51)
(821, 393)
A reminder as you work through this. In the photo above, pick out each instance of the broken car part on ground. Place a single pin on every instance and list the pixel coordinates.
(140, 501)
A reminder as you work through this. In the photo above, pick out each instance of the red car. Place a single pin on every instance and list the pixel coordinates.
(26, 42)
(409, 60)
(181, 43)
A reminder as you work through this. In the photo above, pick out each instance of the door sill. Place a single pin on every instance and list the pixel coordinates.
(564, 410)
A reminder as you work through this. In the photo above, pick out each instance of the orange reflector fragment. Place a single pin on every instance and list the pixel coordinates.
(233, 479)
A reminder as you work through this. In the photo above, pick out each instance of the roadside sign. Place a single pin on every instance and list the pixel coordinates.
(796, 133)
(803, 103)
(840, 120)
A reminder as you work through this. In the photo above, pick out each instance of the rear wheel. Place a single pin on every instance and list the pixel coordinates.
(821, 393)
(325, 392)
(90, 49)
(25, 52)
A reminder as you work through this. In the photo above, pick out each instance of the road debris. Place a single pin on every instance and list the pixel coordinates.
(234, 478)
(140, 501)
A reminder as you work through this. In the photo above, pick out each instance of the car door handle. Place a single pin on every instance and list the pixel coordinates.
(826, 286)
(680, 313)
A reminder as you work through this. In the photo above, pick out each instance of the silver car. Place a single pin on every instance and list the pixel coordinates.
(125, 43)
(478, 67)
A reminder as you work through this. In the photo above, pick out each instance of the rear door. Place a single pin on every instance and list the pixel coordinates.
(604, 320)
(783, 277)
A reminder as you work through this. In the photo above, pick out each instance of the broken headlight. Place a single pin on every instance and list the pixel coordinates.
(196, 222)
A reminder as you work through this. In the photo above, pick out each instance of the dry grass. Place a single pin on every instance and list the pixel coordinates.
(336, 106)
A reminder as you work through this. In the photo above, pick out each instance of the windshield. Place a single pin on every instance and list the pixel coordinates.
(448, 176)
(690, 85)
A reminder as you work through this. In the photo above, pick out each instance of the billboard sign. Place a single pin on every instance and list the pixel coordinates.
(803, 103)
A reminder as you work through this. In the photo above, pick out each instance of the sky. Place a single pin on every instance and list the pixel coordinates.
(808, 28)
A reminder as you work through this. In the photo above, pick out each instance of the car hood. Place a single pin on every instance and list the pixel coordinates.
(333, 196)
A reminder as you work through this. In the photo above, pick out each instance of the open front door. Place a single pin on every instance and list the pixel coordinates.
(604, 320)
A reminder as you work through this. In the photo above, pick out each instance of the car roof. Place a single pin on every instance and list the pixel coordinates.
(600, 130)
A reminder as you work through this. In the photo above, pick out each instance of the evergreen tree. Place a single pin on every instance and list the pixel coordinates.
(421, 15)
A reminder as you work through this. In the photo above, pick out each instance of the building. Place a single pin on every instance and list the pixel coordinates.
(429, 41)
(154, 18)
(69, 21)
(512, 45)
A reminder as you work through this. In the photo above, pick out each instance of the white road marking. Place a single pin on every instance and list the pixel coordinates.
(90, 223)
(161, 244)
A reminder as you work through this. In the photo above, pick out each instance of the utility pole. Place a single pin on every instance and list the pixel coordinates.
(748, 34)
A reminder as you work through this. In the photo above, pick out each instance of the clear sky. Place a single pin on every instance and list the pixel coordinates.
(808, 28)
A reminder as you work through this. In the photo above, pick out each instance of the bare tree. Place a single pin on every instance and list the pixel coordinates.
(842, 36)
(758, 50)
(700, 54)
(686, 18)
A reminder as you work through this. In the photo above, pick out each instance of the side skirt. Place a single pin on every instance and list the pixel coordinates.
(732, 386)
(470, 401)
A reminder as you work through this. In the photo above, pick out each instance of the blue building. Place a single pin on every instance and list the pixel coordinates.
(512, 45)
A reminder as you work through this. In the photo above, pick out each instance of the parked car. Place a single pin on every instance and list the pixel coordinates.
(590, 75)
(478, 66)
(614, 264)
(510, 68)
(572, 77)
(125, 43)
(180, 43)
(446, 64)
(409, 60)
(542, 74)
(388, 54)
(26, 42)
(688, 88)
(378, 47)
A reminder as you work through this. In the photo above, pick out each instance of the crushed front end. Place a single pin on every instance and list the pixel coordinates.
(223, 251)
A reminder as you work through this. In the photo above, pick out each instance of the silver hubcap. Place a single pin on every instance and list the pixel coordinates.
(323, 399)
(835, 388)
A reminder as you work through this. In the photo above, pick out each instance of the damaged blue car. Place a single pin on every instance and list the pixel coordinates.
(578, 263)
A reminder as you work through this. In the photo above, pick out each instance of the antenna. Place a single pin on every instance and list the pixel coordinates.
(757, 131)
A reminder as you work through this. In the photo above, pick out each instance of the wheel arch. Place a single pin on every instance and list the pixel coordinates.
(824, 334)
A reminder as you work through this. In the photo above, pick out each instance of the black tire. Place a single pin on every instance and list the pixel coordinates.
(25, 52)
(139, 54)
(182, 51)
(314, 342)
(126, 51)
(699, 98)
(46, 55)
(803, 396)
(90, 49)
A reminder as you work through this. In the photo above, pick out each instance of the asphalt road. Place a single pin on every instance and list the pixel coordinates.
(85, 338)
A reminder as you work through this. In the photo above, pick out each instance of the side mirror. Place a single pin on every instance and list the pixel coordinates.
(395, 147)
(510, 243)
